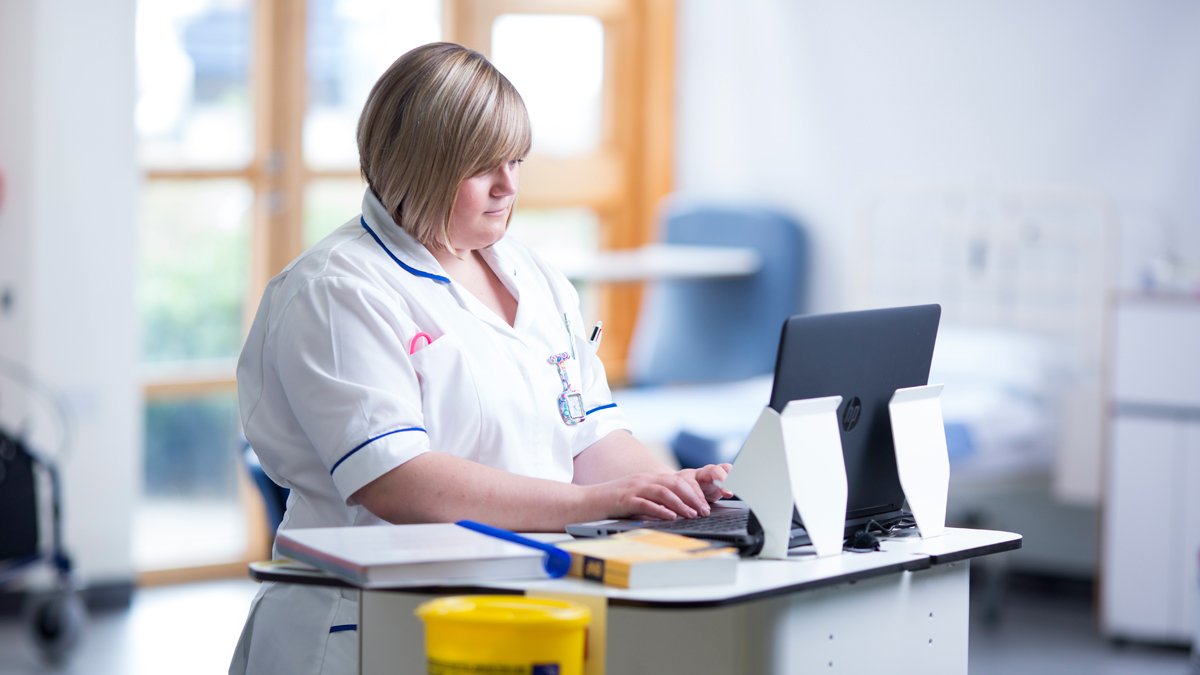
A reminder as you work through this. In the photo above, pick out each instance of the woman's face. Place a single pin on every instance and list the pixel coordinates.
(479, 217)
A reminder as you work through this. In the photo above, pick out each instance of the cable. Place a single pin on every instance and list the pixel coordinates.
(867, 538)
(892, 526)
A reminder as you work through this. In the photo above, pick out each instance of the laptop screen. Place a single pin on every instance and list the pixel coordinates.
(864, 357)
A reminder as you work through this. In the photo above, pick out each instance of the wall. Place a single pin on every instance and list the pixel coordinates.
(819, 106)
(15, 158)
(68, 251)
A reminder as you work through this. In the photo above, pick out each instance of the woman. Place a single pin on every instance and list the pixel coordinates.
(416, 366)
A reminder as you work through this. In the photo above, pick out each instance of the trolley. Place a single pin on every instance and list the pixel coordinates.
(31, 506)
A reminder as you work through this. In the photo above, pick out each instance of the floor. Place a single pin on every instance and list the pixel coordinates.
(192, 629)
(1046, 632)
(175, 629)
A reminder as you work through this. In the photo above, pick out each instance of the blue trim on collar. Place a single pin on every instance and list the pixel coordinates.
(601, 407)
(411, 270)
(368, 442)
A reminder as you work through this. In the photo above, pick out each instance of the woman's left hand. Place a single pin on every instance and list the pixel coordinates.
(706, 477)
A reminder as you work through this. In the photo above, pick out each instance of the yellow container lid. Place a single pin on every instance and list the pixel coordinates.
(505, 609)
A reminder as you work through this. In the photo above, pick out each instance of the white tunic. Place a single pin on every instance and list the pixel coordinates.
(331, 399)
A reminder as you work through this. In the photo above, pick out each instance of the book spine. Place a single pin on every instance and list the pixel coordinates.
(609, 572)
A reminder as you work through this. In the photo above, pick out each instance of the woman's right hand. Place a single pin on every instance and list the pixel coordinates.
(665, 496)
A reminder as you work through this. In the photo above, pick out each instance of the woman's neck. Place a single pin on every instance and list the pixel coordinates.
(473, 273)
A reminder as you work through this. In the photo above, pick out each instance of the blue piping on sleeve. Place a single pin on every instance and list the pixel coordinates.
(368, 442)
(601, 407)
(342, 627)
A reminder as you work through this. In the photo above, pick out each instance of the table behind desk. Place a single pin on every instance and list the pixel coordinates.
(903, 609)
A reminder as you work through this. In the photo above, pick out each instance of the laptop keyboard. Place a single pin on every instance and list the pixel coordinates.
(723, 521)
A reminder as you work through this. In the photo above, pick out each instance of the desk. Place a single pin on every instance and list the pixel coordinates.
(660, 262)
(903, 609)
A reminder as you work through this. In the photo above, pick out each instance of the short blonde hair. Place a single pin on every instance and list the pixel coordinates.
(440, 114)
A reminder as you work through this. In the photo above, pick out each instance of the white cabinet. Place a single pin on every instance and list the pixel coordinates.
(1152, 476)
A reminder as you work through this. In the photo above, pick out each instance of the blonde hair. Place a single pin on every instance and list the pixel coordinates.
(440, 114)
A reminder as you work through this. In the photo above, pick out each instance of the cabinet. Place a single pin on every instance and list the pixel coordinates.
(1151, 524)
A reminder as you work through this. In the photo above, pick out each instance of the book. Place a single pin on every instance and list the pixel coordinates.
(381, 556)
(651, 558)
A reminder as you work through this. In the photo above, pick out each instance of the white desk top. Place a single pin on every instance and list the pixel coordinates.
(660, 261)
(760, 578)
(956, 544)
(756, 578)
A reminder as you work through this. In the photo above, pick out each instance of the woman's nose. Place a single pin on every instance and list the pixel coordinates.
(506, 181)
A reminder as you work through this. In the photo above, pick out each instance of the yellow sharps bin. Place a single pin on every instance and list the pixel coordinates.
(504, 634)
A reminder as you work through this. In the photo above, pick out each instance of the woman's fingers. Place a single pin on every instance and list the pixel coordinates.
(681, 482)
(707, 476)
(692, 491)
(668, 496)
(649, 509)
(664, 496)
(676, 495)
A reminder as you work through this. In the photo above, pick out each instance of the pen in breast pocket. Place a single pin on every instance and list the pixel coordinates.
(570, 336)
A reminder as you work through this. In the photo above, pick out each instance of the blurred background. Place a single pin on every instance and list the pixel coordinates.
(1033, 167)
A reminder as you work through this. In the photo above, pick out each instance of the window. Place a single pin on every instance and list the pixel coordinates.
(195, 120)
(246, 116)
(562, 94)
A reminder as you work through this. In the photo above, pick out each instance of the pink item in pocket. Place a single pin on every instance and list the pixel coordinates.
(413, 344)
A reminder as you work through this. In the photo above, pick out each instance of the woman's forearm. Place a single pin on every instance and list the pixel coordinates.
(617, 454)
(436, 487)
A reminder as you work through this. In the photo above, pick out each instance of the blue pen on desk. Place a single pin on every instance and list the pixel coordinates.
(557, 561)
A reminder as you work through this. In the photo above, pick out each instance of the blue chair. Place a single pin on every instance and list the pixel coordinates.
(720, 330)
(274, 495)
(700, 344)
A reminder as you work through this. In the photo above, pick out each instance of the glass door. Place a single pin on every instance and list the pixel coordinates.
(196, 132)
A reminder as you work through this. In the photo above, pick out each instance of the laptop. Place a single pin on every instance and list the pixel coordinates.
(862, 356)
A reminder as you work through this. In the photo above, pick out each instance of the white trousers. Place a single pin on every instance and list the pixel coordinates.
(295, 629)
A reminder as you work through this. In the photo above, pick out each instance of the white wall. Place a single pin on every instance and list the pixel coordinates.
(15, 154)
(818, 105)
(67, 250)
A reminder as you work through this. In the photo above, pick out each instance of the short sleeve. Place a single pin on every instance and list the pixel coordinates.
(348, 379)
(603, 415)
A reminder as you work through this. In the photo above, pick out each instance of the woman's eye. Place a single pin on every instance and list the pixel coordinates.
(514, 163)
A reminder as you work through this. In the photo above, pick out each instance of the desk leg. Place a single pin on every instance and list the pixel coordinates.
(913, 622)
(391, 639)
(654, 641)
(935, 619)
